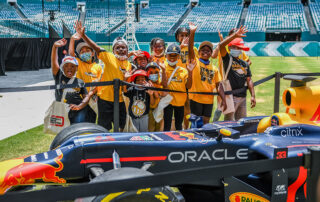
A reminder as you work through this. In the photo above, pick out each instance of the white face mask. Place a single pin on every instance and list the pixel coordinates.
(121, 58)
(235, 53)
(172, 63)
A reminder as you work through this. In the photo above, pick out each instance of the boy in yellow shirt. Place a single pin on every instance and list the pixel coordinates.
(88, 70)
(177, 78)
(206, 78)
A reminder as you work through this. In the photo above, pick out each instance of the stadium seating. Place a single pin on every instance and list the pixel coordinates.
(276, 16)
(315, 12)
(217, 16)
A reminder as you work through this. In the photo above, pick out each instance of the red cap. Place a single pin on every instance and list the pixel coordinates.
(138, 72)
(144, 53)
(239, 43)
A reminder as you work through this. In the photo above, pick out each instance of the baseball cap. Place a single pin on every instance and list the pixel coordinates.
(143, 53)
(239, 43)
(173, 48)
(152, 64)
(206, 43)
(68, 59)
(117, 40)
(138, 72)
(81, 45)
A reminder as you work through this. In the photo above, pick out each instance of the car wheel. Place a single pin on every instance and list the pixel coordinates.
(75, 130)
(165, 193)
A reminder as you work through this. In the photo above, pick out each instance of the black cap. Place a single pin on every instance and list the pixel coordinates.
(152, 64)
(173, 48)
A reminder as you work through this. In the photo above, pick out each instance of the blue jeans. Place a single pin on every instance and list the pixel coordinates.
(78, 116)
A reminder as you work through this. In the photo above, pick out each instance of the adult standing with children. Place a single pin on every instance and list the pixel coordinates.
(237, 72)
(116, 65)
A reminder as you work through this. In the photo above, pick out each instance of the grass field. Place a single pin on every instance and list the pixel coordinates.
(34, 141)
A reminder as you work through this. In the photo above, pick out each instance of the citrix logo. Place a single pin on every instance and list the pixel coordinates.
(291, 132)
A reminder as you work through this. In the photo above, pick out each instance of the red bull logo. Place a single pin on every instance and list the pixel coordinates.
(17, 172)
(181, 135)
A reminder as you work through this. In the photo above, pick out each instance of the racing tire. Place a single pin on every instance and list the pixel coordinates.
(155, 194)
(75, 130)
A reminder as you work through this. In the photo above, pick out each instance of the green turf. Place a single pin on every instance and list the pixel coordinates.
(34, 141)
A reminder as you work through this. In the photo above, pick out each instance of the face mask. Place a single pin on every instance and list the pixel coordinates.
(172, 63)
(235, 53)
(121, 58)
(85, 57)
(154, 77)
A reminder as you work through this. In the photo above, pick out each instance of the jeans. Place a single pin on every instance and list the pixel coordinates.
(78, 116)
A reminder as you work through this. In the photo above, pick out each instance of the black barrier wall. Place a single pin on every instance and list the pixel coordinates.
(26, 54)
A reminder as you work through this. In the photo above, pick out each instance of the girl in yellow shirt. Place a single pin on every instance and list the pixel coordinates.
(157, 46)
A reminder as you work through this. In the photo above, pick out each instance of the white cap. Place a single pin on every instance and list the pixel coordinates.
(80, 46)
(117, 40)
(68, 59)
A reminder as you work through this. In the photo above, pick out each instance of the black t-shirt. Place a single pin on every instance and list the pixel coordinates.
(239, 71)
(75, 96)
(139, 102)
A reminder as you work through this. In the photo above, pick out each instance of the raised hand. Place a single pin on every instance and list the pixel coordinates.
(162, 66)
(192, 27)
(241, 31)
(191, 65)
(60, 43)
(184, 42)
(79, 28)
(220, 35)
(76, 36)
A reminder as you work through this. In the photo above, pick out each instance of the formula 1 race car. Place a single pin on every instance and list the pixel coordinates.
(89, 153)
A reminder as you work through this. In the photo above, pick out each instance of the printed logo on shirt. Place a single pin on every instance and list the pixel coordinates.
(176, 79)
(138, 108)
(238, 69)
(184, 56)
(206, 75)
(90, 74)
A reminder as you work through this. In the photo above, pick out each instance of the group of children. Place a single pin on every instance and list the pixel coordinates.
(178, 67)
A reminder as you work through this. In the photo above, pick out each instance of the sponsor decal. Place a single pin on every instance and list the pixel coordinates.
(291, 132)
(316, 116)
(57, 121)
(28, 172)
(124, 159)
(156, 137)
(280, 189)
(215, 155)
(104, 138)
(181, 135)
(281, 155)
(141, 138)
(246, 197)
(161, 196)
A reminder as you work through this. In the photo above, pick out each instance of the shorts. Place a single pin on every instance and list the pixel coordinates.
(200, 109)
(105, 114)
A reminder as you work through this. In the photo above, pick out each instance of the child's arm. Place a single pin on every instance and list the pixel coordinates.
(54, 55)
(220, 91)
(190, 68)
(74, 37)
(164, 81)
(81, 31)
(217, 49)
(239, 33)
(193, 29)
(84, 102)
(152, 99)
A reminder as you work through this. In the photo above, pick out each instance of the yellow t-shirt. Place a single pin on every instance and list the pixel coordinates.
(204, 79)
(157, 100)
(243, 57)
(159, 60)
(88, 72)
(184, 59)
(178, 82)
(114, 69)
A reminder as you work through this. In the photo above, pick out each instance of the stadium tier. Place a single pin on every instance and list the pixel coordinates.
(315, 10)
(276, 16)
(221, 16)
(161, 17)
